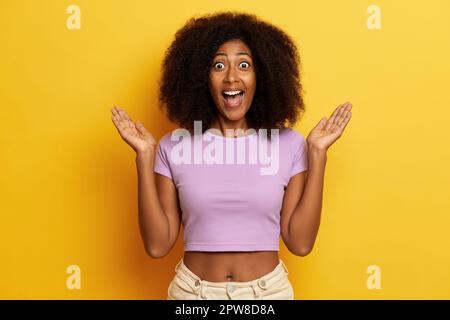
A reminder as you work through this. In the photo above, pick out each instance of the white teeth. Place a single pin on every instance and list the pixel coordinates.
(232, 93)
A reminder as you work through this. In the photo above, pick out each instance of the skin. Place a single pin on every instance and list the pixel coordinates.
(232, 67)
(159, 210)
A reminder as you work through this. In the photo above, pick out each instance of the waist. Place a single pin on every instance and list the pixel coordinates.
(231, 266)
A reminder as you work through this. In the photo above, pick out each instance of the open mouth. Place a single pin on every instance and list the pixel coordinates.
(233, 98)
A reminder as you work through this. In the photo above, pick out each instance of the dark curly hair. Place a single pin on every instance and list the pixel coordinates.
(185, 70)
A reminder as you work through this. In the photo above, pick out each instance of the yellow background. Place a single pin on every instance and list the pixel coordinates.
(69, 184)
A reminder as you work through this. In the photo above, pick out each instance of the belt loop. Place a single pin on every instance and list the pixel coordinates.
(256, 291)
(284, 266)
(202, 290)
(178, 265)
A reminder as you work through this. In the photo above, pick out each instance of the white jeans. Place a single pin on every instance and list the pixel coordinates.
(273, 286)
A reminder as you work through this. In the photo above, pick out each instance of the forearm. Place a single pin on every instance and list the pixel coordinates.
(153, 223)
(305, 220)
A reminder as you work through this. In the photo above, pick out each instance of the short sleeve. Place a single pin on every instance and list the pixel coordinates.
(299, 153)
(162, 164)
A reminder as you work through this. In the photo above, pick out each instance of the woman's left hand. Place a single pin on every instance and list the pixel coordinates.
(326, 132)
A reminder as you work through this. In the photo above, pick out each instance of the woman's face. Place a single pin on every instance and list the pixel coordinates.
(232, 79)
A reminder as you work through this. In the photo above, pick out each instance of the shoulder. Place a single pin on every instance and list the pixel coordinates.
(295, 142)
(166, 138)
(172, 137)
(292, 136)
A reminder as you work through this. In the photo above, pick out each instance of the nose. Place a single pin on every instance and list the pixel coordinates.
(230, 75)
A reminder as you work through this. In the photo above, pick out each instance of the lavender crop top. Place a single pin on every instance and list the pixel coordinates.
(228, 201)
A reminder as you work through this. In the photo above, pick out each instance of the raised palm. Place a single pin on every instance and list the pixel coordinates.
(327, 131)
(134, 133)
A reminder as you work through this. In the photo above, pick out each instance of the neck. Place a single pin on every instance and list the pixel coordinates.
(238, 127)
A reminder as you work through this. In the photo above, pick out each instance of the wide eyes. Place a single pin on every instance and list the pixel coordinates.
(245, 63)
(221, 65)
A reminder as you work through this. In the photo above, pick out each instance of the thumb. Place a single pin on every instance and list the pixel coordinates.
(321, 124)
(141, 128)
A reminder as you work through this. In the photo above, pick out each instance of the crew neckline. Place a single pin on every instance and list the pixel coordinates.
(208, 131)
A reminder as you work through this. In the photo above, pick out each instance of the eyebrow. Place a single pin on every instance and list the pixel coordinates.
(237, 54)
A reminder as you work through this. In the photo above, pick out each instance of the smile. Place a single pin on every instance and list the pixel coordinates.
(233, 99)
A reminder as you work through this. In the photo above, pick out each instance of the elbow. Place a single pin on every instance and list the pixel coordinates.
(303, 251)
(154, 253)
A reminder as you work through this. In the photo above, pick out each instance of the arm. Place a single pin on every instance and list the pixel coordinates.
(304, 207)
(159, 212)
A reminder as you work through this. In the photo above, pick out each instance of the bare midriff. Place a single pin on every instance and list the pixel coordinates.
(231, 266)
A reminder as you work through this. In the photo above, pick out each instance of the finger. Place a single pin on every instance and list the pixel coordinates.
(134, 129)
(333, 117)
(115, 111)
(141, 127)
(336, 128)
(120, 116)
(340, 112)
(126, 118)
(346, 120)
(118, 119)
(118, 122)
(144, 132)
(321, 124)
(132, 126)
(125, 114)
(118, 125)
(346, 110)
(339, 117)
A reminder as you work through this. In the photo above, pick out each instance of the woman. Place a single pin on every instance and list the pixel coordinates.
(234, 74)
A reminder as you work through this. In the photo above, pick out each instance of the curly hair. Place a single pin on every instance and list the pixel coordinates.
(185, 70)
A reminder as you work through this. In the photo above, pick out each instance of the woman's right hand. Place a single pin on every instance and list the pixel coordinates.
(133, 133)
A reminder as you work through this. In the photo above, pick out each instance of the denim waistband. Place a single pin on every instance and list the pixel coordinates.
(263, 282)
